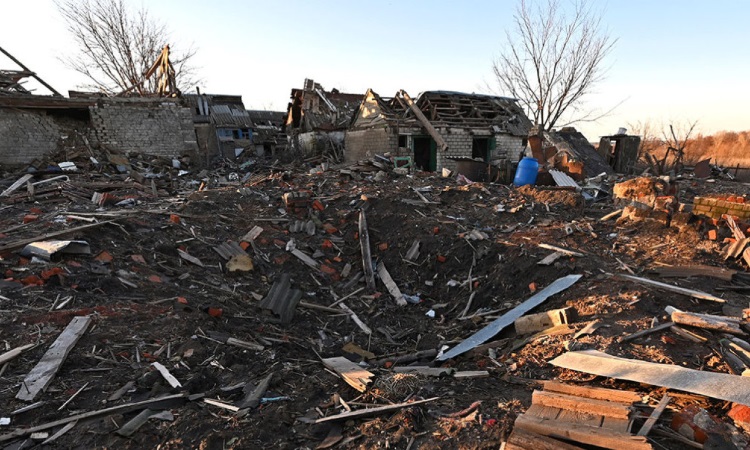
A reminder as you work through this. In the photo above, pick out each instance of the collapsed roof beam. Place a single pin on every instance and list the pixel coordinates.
(423, 120)
(12, 58)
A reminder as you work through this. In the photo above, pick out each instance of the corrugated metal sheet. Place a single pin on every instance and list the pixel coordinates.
(563, 179)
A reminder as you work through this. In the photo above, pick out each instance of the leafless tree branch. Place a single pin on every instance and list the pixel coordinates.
(551, 60)
(116, 46)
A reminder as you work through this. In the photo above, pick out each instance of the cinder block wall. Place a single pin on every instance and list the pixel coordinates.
(508, 147)
(25, 136)
(155, 127)
(364, 144)
(459, 144)
(715, 207)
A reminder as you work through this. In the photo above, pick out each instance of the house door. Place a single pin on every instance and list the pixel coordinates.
(425, 153)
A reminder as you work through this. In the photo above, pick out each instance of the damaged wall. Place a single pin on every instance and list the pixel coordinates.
(154, 127)
(364, 144)
(26, 135)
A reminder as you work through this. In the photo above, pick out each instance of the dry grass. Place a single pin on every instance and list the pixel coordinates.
(725, 148)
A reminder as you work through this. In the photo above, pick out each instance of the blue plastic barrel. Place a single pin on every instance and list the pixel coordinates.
(526, 172)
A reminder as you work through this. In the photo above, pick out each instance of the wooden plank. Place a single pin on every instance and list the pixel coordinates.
(525, 440)
(706, 321)
(364, 243)
(601, 437)
(424, 121)
(668, 287)
(596, 393)
(549, 259)
(120, 409)
(166, 375)
(564, 251)
(189, 258)
(651, 421)
(540, 321)
(719, 273)
(374, 411)
(580, 404)
(581, 418)
(42, 374)
(647, 331)
(43, 237)
(19, 182)
(544, 412)
(392, 287)
(12, 354)
(354, 375)
(618, 425)
(721, 386)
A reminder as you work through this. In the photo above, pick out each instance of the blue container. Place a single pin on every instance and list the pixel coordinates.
(526, 172)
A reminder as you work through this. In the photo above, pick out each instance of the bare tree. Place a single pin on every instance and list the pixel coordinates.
(552, 59)
(117, 46)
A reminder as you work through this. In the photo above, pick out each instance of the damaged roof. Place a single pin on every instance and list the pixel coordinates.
(456, 110)
(572, 142)
(315, 109)
(224, 111)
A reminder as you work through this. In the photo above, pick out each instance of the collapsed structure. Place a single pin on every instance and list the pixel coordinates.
(437, 128)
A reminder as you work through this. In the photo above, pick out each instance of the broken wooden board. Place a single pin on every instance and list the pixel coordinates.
(721, 386)
(488, 332)
(167, 376)
(557, 249)
(354, 375)
(526, 440)
(586, 434)
(719, 273)
(47, 236)
(723, 324)
(596, 393)
(12, 354)
(541, 321)
(364, 243)
(651, 421)
(42, 374)
(154, 403)
(574, 403)
(426, 370)
(647, 331)
(374, 411)
(668, 287)
(305, 258)
(392, 287)
(550, 259)
(413, 253)
(19, 182)
(252, 234)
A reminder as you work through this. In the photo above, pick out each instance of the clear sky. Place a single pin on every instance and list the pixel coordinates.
(675, 60)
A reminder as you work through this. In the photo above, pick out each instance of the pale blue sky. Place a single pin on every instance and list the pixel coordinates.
(675, 60)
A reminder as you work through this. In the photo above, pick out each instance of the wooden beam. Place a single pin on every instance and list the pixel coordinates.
(526, 440)
(364, 243)
(585, 434)
(425, 122)
(668, 287)
(374, 411)
(651, 421)
(42, 374)
(612, 395)
(581, 405)
(23, 242)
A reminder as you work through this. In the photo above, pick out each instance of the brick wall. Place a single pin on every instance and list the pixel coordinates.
(715, 207)
(155, 127)
(508, 147)
(25, 136)
(364, 144)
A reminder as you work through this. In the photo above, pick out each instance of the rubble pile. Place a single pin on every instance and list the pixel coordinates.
(146, 305)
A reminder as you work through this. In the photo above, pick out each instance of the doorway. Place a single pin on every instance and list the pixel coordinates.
(425, 153)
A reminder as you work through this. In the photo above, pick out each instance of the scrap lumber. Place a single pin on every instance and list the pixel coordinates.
(706, 321)
(574, 403)
(154, 403)
(647, 331)
(356, 319)
(391, 285)
(550, 259)
(426, 370)
(167, 376)
(354, 375)
(442, 145)
(611, 215)
(374, 411)
(541, 321)
(42, 374)
(189, 258)
(597, 393)
(721, 386)
(526, 440)
(364, 243)
(736, 231)
(13, 187)
(651, 421)
(719, 273)
(305, 258)
(12, 354)
(20, 243)
(585, 434)
(488, 332)
(668, 287)
(557, 249)
(136, 422)
(413, 253)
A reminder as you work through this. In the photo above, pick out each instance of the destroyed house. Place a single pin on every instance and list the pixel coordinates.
(268, 134)
(222, 123)
(437, 128)
(316, 117)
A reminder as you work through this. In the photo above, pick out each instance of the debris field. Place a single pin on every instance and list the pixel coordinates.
(360, 308)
